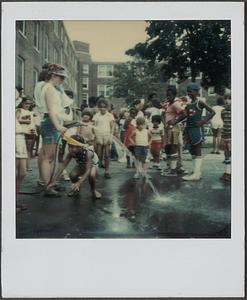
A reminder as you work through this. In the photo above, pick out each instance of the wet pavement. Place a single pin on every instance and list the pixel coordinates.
(130, 208)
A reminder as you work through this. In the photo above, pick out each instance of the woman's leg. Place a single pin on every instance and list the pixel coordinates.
(47, 155)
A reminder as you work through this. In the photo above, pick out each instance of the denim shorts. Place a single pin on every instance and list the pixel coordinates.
(49, 133)
(141, 151)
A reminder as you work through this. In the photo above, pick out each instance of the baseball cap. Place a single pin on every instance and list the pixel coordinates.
(193, 86)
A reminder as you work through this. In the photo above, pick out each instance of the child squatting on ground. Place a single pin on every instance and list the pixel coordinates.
(86, 166)
(141, 139)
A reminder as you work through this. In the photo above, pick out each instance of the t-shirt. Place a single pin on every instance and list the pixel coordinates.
(157, 134)
(154, 111)
(216, 121)
(26, 114)
(102, 123)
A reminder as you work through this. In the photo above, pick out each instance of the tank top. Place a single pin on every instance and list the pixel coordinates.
(194, 113)
(58, 107)
(141, 138)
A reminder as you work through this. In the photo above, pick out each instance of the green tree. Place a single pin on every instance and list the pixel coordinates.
(185, 48)
(137, 79)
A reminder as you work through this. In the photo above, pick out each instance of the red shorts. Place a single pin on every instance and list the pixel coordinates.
(156, 146)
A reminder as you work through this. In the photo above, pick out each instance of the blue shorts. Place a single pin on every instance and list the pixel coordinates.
(49, 133)
(141, 151)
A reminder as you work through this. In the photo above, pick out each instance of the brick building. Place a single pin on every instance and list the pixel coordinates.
(94, 78)
(38, 42)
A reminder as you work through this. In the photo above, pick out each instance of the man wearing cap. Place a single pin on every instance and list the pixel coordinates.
(193, 130)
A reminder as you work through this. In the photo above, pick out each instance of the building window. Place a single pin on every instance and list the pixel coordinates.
(211, 91)
(84, 97)
(22, 27)
(104, 90)
(20, 72)
(35, 77)
(85, 69)
(36, 35)
(46, 50)
(55, 56)
(56, 27)
(85, 83)
(105, 71)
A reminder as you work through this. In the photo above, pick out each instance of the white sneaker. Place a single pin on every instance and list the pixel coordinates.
(193, 177)
(136, 176)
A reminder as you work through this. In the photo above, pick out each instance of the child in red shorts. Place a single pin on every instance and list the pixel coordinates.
(157, 143)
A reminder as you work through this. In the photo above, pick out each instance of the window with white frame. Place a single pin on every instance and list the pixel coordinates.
(85, 68)
(20, 72)
(56, 27)
(22, 27)
(105, 71)
(85, 83)
(84, 97)
(36, 35)
(35, 77)
(211, 91)
(105, 90)
(46, 48)
(55, 56)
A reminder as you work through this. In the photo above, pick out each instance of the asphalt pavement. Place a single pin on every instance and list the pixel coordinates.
(165, 207)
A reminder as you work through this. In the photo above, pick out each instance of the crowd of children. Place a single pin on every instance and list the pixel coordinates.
(145, 130)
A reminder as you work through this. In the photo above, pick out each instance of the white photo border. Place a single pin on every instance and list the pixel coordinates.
(116, 267)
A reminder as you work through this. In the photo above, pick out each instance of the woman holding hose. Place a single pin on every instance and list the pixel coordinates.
(51, 127)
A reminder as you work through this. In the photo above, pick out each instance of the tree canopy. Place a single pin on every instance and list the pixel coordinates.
(184, 48)
(137, 79)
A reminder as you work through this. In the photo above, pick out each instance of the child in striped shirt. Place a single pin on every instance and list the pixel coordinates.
(226, 136)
